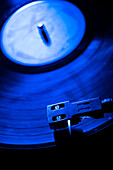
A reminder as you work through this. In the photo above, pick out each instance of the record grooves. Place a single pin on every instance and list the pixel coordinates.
(25, 94)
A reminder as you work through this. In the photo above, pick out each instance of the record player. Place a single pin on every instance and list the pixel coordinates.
(56, 71)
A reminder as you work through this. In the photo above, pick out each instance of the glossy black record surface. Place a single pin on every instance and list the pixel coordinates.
(24, 97)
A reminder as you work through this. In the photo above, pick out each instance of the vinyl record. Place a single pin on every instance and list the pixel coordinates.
(26, 91)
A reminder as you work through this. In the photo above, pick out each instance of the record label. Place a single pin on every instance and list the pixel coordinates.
(41, 33)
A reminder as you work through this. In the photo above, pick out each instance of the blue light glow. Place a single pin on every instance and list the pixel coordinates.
(21, 41)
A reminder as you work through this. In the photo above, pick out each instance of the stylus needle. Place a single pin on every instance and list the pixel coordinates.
(44, 34)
